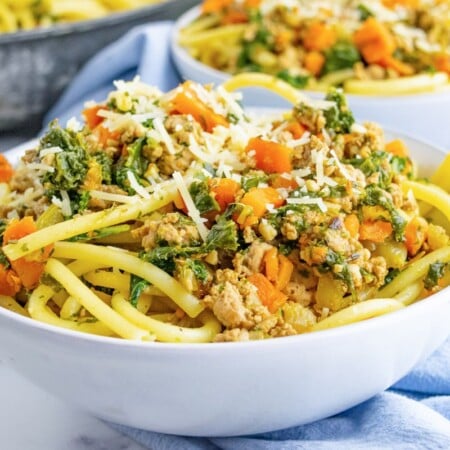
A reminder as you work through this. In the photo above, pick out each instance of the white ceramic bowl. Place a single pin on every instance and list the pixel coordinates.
(229, 388)
(421, 115)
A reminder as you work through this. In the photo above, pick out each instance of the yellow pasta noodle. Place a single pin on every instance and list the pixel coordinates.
(38, 310)
(166, 332)
(360, 311)
(28, 14)
(124, 261)
(415, 271)
(314, 47)
(92, 303)
(9, 303)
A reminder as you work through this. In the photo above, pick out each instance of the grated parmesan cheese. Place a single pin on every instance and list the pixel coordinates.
(118, 198)
(41, 166)
(50, 151)
(341, 168)
(193, 212)
(140, 190)
(308, 201)
(63, 204)
(164, 135)
(319, 168)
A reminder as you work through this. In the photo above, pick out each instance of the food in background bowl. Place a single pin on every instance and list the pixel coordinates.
(178, 217)
(370, 47)
(36, 66)
(28, 14)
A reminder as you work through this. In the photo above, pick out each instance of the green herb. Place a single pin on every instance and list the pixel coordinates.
(232, 118)
(364, 12)
(390, 276)
(4, 260)
(137, 287)
(398, 164)
(376, 196)
(251, 180)
(297, 81)
(332, 259)
(105, 163)
(222, 236)
(202, 198)
(199, 269)
(134, 162)
(339, 117)
(435, 272)
(343, 55)
(70, 165)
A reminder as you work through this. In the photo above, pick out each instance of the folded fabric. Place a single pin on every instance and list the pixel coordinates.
(416, 414)
(144, 51)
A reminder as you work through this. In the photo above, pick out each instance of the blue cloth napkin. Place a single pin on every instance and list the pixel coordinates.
(415, 413)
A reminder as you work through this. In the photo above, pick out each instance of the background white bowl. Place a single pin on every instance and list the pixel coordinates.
(230, 388)
(420, 115)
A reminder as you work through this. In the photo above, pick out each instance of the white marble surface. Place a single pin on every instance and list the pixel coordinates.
(31, 419)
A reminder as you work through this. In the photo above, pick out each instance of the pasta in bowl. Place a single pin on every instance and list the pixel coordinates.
(270, 39)
(28, 14)
(208, 241)
(369, 47)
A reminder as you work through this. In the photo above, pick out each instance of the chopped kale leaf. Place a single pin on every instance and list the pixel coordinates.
(70, 165)
(203, 200)
(297, 81)
(338, 117)
(137, 287)
(343, 55)
(222, 236)
(435, 272)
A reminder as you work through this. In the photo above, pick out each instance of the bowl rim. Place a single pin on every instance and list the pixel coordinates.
(82, 26)
(181, 54)
(53, 331)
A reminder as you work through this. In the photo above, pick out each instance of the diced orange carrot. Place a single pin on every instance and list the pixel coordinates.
(29, 268)
(319, 37)
(252, 3)
(374, 41)
(258, 198)
(408, 3)
(17, 229)
(314, 62)
(6, 170)
(400, 67)
(296, 129)
(271, 265)
(375, 230)
(91, 117)
(397, 147)
(214, 6)
(179, 203)
(105, 135)
(267, 293)
(234, 16)
(224, 190)
(415, 234)
(270, 156)
(285, 272)
(186, 101)
(442, 63)
(279, 181)
(351, 223)
(9, 282)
